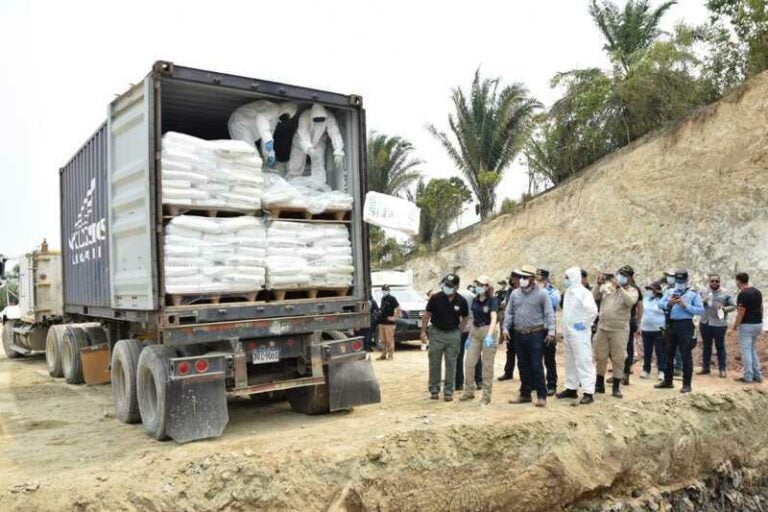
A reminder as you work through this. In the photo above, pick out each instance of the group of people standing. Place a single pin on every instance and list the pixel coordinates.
(600, 324)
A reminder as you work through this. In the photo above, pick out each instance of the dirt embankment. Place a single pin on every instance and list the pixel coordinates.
(60, 449)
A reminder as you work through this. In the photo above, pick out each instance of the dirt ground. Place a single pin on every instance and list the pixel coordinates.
(61, 448)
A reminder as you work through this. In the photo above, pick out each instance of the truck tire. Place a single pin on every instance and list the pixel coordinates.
(53, 350)
(125, 360)
(310, 400)
(8, 340)
(314, 399)
(72, 342)
(151, 383)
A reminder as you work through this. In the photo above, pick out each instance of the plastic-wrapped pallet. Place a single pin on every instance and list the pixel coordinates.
(215, 173)
(303, 193)
(308, 255)
(215, 255)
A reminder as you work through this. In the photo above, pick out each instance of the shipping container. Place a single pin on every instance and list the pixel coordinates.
(113, 223)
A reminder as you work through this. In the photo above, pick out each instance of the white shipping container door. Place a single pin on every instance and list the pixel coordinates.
(27, 287)
(130, 201)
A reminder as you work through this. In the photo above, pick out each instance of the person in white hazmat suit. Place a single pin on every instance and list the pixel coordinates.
(579, 312)
(311, 140)
(257, 121)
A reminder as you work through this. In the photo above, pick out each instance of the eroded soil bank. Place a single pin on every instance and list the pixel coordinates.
(61, 449)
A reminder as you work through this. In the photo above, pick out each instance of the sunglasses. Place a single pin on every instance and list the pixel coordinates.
(714, 281)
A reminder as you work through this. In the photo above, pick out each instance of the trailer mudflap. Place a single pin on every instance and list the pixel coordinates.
(352, 383)
(197, 407)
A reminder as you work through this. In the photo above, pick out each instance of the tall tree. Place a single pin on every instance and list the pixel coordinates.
(490, 127)
(628, 30)
(391, 166)
(441, 202)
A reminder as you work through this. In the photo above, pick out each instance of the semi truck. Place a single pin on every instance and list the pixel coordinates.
(173, 364)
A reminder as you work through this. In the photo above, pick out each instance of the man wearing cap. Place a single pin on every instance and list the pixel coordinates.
(447, 311)
(390, 312)
(617, 298)
(550, 350)
(509, 365)
(483, 341)
(635, 317)
(667, 287)
(683, 304)
(531, 319)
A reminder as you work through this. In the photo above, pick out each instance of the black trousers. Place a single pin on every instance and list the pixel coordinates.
(630, 360)
(681, 338)
(551, 365)
(460, 366)
(509, 366)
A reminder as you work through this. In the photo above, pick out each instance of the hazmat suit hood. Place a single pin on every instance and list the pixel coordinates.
(288, 108)
(318, 111)
(579, 304)
(574, 275)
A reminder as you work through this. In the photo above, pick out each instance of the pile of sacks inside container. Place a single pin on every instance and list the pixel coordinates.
(238, 255)
(305, 255)
(207, 255)
(228, 174)
(210, 173)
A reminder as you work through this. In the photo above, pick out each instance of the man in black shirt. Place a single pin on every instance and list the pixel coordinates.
(749, 324)
(390, 312)
(509, 365)
(447, 311)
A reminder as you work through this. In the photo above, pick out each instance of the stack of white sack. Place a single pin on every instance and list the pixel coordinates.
(304, 193)
(206, 255)
(308, 255)
(212, 173)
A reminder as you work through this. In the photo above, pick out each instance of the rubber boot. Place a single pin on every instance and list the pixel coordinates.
(625, 380)
(586, 399)
(616, 388)
(600, 384)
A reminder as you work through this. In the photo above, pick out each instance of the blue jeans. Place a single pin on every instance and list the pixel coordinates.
(749, 334)
(653, 342)
(530, 361)
(708, 335)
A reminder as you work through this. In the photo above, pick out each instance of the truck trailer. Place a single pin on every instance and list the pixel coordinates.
(173, 363)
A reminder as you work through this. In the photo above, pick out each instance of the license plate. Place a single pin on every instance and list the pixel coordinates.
(418, 324)
(267, 355)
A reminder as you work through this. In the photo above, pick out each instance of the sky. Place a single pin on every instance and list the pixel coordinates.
(61, 63)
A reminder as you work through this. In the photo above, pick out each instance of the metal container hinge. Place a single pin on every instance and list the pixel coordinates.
(355, 100)
(164, 67)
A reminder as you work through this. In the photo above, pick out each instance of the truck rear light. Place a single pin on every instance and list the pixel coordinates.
(182, 368)
(343, 348)
(201, 365)
(357, 345)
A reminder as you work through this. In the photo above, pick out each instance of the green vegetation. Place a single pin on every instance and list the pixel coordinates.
(441, 202)
(490, 128)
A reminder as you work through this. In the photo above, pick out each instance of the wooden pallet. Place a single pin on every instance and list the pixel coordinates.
(293, 213)
(308, 293)
(171, 210)
(184, 299)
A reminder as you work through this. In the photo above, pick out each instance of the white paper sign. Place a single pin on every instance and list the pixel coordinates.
(391, 212)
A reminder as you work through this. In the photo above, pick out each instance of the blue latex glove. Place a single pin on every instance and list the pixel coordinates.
(467, 343)
(269, 148)
(579, 326)
(489, 341)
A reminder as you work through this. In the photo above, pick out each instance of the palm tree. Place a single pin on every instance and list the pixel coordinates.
(629, 30)
(391, 169)
(490, 128)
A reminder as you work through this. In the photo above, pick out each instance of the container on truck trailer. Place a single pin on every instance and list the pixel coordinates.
(174, 362)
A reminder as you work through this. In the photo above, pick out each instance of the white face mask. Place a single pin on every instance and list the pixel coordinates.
(524, 282)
